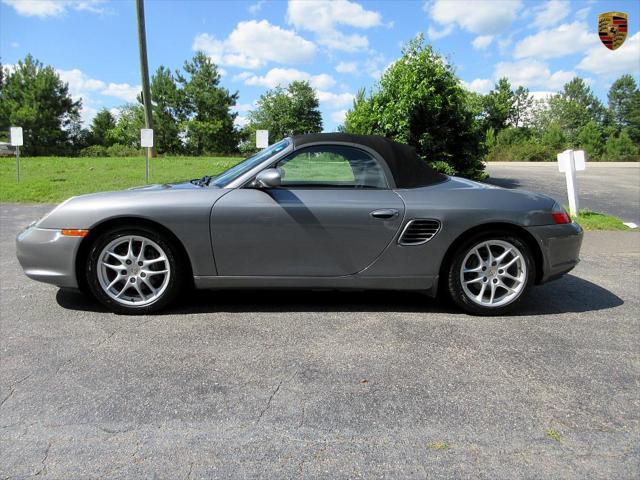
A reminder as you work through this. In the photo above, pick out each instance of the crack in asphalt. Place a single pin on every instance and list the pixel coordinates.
(273, 394)
(44, 460)
(12, 388)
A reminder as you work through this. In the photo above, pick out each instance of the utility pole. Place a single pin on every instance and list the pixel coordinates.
(144, 69)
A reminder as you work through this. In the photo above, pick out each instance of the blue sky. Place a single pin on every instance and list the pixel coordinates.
(339, 46)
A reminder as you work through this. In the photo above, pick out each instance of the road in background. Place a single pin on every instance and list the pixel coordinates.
(321, 384)
(612, 188)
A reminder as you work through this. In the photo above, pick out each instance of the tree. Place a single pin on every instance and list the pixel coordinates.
(624, 106)
(209, 125)
(102, 123)
(168, 111)
(590, 140)
(574, 107)
(499, 105)
(421, 102)
(127, 129)
(522, 110)
(291, 111)
(33, 97)
(620, 148)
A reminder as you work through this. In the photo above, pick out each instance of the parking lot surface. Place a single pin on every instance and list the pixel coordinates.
(323, 384)
(605, 187)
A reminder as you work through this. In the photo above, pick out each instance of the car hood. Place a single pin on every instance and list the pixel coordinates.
(187, 185)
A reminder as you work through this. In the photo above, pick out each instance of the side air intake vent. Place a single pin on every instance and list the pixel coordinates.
(419, 231)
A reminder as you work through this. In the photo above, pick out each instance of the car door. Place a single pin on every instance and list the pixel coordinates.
(333, 215)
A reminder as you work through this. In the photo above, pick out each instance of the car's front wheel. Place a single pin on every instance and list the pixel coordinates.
(134, 270)
(490, 273)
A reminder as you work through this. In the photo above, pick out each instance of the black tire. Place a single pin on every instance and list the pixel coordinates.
(177, 277)
(454, 283)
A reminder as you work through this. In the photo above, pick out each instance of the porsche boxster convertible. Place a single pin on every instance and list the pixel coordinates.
(318, 211)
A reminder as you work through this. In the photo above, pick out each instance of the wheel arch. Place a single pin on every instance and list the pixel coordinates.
(517, 230)
(106, 225)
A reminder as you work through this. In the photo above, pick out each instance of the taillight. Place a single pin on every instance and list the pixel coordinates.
(560, 215)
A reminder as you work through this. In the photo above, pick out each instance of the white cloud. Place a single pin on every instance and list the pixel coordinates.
(481, 42)
(15, 44)
(435, 34)
(532, 73)
(608, 63)
(284, 76)
(347, 67)
(79, 82)
(256, 7)
(583, 13)
(242, 107)
(551, 13)
(541, 95)
(52, 8)
(479, 85)
(254, 44)
(565, 39)
(123, 91)
(482, 17)
(324, 16)
(338, 116)
(335, 100)
(240, 121)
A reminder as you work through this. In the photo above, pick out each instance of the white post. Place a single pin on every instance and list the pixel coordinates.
(146, 154)
(15, 134)
(146, 142)
(572, 187)
(18, 164)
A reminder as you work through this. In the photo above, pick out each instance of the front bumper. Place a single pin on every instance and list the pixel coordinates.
(560, 246)
(47, 256)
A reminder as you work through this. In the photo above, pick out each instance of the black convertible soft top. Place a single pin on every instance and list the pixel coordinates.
(408, 170)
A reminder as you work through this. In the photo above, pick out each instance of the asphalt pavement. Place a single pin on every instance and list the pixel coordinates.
(324, 384)
(606, 187)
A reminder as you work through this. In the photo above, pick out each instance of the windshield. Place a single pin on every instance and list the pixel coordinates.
(246, 165)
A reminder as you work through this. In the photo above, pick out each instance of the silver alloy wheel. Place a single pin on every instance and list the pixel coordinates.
(493, 273)
(133, 270)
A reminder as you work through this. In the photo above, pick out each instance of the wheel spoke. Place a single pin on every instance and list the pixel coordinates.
(116, 268)
(511, 262)
(502, 256)
(124, 289)
(154, 260)
(149, 286)
(511, 277)
(120, 258)
(141, 252)
(130, 248)
(136, 285)
(148, 273)
(474, 280)
(490, 257)
(493, 292)
(481, 294)
(113, 283)
(474, 269)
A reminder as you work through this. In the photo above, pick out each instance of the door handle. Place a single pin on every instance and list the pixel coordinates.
(385, 213)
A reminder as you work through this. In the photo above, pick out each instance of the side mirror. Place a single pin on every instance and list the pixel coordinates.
(269, 178)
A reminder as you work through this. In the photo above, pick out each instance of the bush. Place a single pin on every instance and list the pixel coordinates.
(528, 151)
(443, 167)
(94, 151)
(119, 150)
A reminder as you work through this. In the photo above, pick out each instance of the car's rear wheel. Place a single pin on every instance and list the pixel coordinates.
(134, 270)
(491, 273)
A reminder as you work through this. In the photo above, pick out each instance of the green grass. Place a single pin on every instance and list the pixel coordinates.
(599, 221)
(53, 179)
(553, 434)
(438, 445)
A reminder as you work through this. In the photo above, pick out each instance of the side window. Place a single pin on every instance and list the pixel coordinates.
(332, 166)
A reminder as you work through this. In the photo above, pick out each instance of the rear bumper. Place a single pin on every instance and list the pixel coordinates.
(47, 256)
(560, 246)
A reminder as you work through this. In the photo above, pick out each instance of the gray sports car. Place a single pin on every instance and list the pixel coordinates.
(321, 211)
